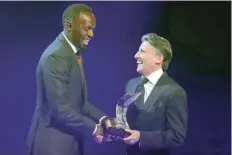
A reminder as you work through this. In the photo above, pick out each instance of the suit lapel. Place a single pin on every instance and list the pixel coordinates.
(135, 85)
(137, 104)
(135, 111)
(64, 44)
(156, 91)
(69, 50)
(153, 95)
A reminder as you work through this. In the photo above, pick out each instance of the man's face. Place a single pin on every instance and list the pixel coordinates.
(82, 29)
(147, 59)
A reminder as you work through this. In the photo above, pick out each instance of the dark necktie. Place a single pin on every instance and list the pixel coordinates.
(79, 60)
(80, 63)
(141, 84)
(141, 89)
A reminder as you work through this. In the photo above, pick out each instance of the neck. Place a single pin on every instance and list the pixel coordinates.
(69, 36)
(151, 71)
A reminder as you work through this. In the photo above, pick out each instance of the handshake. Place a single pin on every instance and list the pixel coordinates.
(108, 131)
(118, 128)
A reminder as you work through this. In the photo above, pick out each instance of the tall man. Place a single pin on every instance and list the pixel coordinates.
(158, 118)
(63, 114)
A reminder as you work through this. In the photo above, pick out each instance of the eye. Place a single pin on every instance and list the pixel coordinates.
(89, 28)
(92, 28)
(142, 51)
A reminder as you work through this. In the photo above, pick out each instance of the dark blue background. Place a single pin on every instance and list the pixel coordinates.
(198, 32)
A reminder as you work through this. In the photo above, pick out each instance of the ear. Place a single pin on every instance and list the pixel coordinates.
(159, 59)
(68, 26)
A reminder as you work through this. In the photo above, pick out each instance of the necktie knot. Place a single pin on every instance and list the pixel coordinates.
(143, 81)
(78, 53)
(140, 86)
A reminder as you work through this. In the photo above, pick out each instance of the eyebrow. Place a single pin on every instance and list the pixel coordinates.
(141, 50)
(91, 27)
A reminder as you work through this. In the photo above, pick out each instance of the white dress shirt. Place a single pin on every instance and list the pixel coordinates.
(152, 80)
(75, 51)
(72, 46)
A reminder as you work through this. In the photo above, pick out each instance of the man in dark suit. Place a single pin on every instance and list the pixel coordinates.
(158, 118)
(63, 115)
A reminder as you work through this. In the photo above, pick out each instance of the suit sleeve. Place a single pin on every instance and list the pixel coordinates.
(92, 112)
(176, 123)
(56, 78)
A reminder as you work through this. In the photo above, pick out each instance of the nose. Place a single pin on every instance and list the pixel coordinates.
(137, 55)
(90, 33)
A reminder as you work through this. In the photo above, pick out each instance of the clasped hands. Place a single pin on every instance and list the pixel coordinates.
(101, 134)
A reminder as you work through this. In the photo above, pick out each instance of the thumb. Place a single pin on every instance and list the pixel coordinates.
(128, 130)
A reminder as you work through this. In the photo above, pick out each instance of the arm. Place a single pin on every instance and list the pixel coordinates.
(176, 122)
(56, 79)
(92, 112)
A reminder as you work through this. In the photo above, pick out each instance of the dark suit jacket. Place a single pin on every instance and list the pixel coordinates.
(161, 120)
(62, 114)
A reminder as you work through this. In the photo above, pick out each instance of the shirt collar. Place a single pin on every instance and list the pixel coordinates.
(154, 77)
(72, 46)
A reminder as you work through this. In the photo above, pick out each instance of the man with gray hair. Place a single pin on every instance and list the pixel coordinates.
(158, 118)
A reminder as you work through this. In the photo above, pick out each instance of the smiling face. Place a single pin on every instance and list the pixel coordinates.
(87, 26)
(148, 59)
(82, 29)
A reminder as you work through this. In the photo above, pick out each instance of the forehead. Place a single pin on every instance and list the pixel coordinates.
(146, 46)
(87, 18)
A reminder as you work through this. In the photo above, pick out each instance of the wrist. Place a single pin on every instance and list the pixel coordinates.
(138, 135)
(103, 119)
(95, 130)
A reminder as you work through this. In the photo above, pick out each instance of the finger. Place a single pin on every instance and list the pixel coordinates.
(130, 142)
(127, 138)
(99, 125)
(98, 139)
(108, 123)
(128, 130)
(107, 138)
(126, 142)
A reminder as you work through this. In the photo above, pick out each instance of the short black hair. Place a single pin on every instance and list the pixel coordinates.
(73, 11)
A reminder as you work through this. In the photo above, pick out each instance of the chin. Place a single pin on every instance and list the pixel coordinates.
(139, 70)
(83, 47)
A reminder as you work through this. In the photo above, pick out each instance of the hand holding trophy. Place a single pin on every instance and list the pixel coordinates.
(119, 124)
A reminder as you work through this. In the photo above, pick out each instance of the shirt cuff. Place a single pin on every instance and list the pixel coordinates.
(95, 130)
(100, 121)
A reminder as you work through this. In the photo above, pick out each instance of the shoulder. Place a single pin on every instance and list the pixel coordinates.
(175, 88)
(56, 52)
(55, 58)
(131, 84)
(57, 49)
(133, 81)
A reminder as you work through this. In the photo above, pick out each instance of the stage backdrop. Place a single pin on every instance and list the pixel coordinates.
(201, 65)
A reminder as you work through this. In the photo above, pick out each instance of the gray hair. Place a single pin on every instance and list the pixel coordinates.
(162, 47)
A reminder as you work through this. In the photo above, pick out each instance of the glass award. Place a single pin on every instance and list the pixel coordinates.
(121, 109)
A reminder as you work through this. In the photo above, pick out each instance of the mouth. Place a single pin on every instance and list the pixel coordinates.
(86, 41)
(139, 62)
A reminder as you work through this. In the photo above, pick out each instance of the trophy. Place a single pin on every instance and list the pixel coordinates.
(120, 122)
